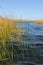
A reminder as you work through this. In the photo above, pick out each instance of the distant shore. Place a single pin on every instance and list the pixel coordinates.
(21, 20)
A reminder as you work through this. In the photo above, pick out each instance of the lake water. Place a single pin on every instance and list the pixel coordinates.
(33, 37)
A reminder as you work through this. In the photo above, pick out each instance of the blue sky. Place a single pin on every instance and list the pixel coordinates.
(24, 9)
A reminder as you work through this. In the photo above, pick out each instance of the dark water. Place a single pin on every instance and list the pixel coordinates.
(30, 49)
(33, 37)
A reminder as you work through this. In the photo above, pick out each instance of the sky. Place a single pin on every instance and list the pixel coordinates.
(22, 9)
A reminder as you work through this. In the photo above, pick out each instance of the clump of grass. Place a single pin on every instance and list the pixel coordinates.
(6, 28)
(7, 31)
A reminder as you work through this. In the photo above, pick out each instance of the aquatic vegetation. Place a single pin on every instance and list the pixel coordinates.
(8, 33)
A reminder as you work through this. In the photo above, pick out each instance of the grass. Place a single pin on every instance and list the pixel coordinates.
(7, 31)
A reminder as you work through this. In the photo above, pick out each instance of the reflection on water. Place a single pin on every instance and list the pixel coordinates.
(30, 49)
